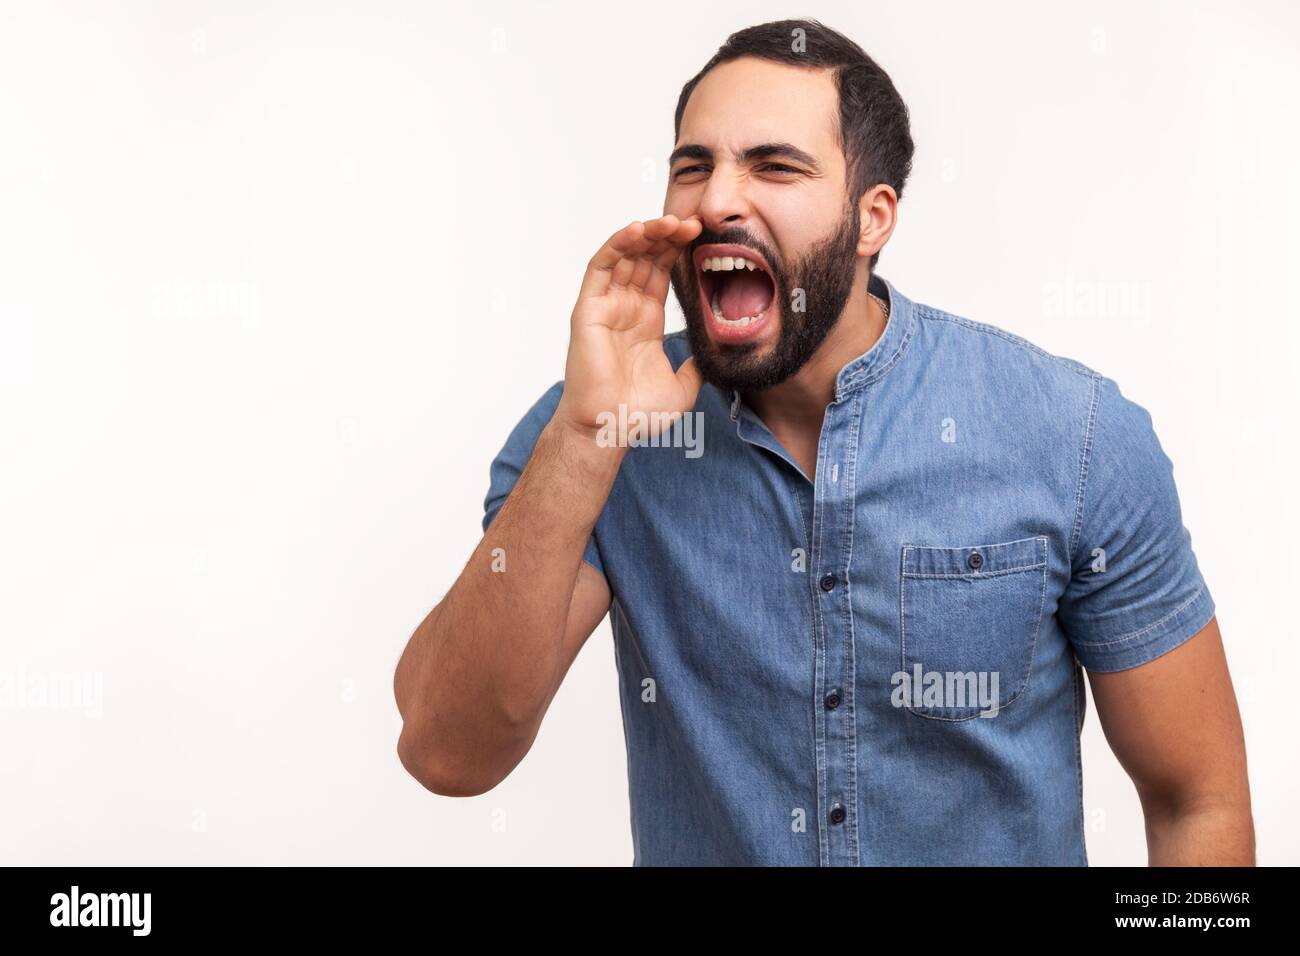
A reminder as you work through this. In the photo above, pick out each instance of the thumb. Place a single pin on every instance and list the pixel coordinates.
(690, 379)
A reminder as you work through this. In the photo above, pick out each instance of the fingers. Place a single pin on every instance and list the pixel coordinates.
(660, 274)
(618, 263)
(596, 280)
(635, 267)
(654, 270)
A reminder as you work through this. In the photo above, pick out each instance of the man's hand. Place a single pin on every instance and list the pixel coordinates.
(480, 671)
(616, 354)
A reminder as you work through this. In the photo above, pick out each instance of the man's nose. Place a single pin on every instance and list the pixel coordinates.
(724, 203)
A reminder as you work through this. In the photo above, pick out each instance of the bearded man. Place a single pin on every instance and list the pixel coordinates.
(852, 629)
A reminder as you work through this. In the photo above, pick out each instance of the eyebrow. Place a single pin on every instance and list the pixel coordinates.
(696, 151)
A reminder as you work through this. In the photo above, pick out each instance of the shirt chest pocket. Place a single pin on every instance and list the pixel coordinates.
(970, 618)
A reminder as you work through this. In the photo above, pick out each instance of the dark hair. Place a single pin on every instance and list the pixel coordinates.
(874, 127)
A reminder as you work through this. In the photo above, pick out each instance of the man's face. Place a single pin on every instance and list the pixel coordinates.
(783, 210)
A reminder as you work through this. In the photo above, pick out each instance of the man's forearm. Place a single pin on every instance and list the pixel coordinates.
(481, 667)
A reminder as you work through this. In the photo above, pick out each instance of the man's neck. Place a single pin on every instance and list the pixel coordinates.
(799, 403)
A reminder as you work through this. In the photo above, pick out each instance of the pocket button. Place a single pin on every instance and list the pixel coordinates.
(975, 561)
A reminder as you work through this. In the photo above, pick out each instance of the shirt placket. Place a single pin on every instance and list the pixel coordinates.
(832, 546)
(830, 549)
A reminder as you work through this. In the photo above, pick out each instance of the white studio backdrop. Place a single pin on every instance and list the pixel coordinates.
(277, 283)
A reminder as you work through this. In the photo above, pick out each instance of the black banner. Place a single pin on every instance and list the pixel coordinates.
(334, 905)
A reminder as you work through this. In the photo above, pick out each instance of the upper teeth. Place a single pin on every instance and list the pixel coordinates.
(726, 263)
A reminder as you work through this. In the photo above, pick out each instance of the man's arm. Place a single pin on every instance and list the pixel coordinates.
(480, 671)
(1173, 724)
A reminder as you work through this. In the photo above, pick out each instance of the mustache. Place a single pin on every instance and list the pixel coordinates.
(737, 236)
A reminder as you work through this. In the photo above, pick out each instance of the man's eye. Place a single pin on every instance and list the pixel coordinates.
(686, 169)
(780, 167)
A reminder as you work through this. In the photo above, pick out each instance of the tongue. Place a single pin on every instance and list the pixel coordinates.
(745, 293)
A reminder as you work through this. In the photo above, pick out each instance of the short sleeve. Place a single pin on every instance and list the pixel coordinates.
(510, 461)
(1136, 591)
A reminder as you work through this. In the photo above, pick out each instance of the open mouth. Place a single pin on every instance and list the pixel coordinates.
(736, 290)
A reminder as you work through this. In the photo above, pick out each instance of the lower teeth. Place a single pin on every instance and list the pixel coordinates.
(731, 323)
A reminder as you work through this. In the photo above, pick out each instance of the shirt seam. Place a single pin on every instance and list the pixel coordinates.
(821, 642)
(1072, 364)
(851, 712)
(1085, 461)
(1143, 632)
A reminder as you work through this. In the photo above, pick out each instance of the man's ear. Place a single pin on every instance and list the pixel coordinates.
(878, 214)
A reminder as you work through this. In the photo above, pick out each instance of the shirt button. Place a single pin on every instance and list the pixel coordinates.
(833, 699)
(828, 582)
(975, 561)
(837, 813)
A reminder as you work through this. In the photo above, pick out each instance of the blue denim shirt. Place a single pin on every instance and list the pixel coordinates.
(980, 507)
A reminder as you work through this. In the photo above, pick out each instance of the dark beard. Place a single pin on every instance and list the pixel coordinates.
(825, 273)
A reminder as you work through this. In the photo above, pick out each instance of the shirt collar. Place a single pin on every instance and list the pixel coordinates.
(872, 364)
(877, 360)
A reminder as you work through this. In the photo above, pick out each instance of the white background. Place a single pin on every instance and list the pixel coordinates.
(276, 284)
